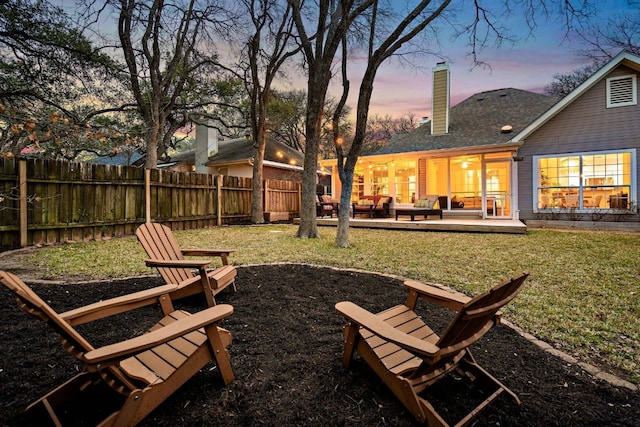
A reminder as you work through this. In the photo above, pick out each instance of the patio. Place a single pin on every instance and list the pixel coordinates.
(470, 225)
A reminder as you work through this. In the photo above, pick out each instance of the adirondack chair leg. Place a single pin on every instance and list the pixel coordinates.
(469, 367)
(166, 304)
(350, 333)
(206, 287)
(220, 340)
(422, 410)
(126, 415)
(412, 300)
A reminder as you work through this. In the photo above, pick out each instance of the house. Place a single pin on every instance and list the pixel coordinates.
(514, 154)
(234, 157)
(579, 159)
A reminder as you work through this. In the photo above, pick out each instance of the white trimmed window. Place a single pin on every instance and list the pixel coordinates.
(585, 181)
(622, 91)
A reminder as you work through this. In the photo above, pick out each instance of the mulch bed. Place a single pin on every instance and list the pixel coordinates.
(286, 351)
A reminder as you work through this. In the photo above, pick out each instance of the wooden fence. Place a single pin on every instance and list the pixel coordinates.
(44, 201)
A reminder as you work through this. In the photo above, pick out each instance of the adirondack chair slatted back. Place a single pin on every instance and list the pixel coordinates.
(476, 316)
(159, 243)
(74, 343)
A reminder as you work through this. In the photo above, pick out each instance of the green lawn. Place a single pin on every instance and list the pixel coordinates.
(582, 295)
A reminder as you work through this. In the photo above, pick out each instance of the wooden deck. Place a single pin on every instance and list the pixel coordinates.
(470, 225)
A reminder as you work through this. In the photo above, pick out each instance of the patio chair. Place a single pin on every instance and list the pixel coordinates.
(410, 357)
(145, 370)
(165, 255)
(326, 206)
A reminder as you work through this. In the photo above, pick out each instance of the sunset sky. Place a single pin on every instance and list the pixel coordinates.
(529, 64)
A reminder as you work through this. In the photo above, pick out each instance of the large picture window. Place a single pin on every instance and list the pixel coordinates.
(603, 180)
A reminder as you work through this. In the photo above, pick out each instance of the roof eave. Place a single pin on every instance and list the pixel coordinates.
(279, 165)
(477, 149)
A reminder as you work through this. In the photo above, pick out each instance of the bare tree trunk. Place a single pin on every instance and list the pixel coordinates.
(151, 143)
(315, 100)
(257, 213)
(347, 168)
(342, 234)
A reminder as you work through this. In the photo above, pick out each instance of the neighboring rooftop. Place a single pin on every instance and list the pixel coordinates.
(237, 150)
(240, 150)
(123, 158)
(478, 120)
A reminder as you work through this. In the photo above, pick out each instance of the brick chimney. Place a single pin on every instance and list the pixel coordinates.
(206, 146)
(440, 100)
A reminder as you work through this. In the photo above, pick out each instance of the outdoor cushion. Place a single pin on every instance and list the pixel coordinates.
(423, 203)
(383, 200)
(325, 198)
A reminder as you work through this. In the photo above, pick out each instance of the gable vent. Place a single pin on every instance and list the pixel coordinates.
(621, 91)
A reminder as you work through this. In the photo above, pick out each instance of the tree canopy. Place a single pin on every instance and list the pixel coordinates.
(51, 77)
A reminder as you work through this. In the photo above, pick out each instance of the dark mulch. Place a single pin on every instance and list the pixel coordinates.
(286, 358)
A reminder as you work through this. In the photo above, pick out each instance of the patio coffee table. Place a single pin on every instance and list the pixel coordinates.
(418, 211)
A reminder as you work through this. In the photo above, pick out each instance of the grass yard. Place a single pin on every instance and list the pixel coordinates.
(582, 295)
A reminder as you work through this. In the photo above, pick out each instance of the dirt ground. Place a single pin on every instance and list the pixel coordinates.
(286, 351)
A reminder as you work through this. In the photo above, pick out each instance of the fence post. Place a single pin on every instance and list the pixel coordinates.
(265, 197)
(22, 207)
(147, 195)
(219, 199)
(299, 200)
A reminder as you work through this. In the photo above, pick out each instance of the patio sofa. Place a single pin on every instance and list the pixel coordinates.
(373, 206)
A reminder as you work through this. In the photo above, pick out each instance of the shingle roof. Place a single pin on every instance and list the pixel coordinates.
(477, 121)
(240, 149)
(119, 159)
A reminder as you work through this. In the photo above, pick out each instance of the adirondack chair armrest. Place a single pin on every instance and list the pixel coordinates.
(178, 263)
(117, 305)
(373, 323)
(437, 295)
(222, 253)
(207, 252)
(113, 353)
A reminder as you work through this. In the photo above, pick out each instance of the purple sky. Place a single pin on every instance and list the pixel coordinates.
(529, 64)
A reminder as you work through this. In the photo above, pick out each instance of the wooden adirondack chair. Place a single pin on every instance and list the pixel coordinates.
(165, 254)
(146, 369)
(409, 356)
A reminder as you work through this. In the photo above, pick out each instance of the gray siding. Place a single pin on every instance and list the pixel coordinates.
(585, 125)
